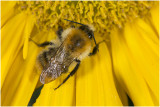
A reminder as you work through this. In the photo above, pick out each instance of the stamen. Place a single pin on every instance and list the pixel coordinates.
(103, 15)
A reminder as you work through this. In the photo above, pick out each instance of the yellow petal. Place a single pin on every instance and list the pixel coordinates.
(132, 82)
(150, 46)
(23, 76)
(12, 41)
(25, 48)
(63, 96)
(95, 81)
(28, 28)
(155, 17)
(136, 62)
(7, 11)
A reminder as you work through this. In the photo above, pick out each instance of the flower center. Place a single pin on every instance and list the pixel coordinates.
(103, 15)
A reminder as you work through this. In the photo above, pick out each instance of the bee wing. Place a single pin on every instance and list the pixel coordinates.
(58, 64)
(48, 76)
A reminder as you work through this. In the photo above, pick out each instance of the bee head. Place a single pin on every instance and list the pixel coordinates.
(87, 29)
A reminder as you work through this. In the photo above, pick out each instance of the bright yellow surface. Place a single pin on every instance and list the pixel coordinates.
(127, 62)
(135, 55)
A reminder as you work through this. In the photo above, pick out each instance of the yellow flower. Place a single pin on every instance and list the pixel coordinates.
(126, 68)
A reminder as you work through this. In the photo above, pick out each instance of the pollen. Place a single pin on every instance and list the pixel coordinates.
(103, 15)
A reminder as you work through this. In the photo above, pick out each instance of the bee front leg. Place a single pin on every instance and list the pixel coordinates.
(46, 43)
(71, 73)
(95, 49)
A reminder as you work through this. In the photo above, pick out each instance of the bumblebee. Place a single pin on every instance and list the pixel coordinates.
(73, 44)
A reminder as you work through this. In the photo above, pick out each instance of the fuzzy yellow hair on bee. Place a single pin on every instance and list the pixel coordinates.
(73, 44)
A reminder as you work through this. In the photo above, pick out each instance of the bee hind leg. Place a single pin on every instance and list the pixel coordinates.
(71, 73)
(46, 43)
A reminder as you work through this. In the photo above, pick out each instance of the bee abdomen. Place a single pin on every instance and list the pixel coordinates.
(42, 60)
(45, 56)
(52, 72)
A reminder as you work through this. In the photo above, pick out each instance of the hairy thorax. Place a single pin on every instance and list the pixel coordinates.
(77, 45)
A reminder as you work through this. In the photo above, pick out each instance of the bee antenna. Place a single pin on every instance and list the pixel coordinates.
(94, 40)
(75, 22)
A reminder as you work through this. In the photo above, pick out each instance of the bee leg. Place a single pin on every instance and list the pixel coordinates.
(59, 33)
(95, 49)
(42, 44)
(71, 73)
